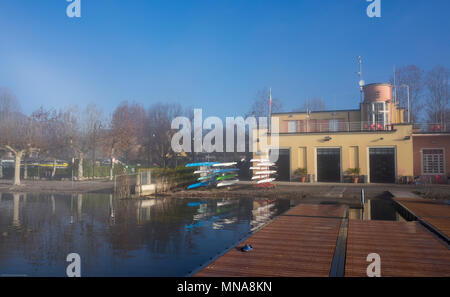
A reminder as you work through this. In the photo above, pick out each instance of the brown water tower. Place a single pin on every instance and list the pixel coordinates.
(377, 92)
(378, 105)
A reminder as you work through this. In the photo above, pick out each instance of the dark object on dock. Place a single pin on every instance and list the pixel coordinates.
(247, 248)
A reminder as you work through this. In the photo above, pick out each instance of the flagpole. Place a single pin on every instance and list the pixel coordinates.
(270, 110)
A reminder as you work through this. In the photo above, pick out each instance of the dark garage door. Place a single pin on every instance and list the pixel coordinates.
(329, 164)
(382, 165)
(283, 165)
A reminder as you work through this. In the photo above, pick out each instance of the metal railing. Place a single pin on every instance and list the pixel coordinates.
(431, 127)
(317, 126)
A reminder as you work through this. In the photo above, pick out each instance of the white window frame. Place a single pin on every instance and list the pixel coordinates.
(422, 163)
(334, 125)
(290, 127)
(384, 111)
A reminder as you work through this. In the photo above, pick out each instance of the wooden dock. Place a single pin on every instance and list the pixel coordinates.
(434, 215)
(298, 243)
(320, 240)
(405, 248)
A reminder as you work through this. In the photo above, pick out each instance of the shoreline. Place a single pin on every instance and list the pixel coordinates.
(56, 186)
(308, 192)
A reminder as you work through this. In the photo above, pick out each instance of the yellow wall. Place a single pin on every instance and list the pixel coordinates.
(354, 148)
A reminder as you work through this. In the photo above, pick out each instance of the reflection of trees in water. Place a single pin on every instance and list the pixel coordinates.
(157, 224)
(46, 236)
(38, 228)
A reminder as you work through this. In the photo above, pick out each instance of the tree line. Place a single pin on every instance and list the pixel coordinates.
(131, 134)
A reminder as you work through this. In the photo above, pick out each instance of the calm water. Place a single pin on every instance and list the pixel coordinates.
(159, 237)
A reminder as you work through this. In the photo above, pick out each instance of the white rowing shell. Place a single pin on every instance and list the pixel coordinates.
(224, 164)
(268, 180)
(259, 160)
(265, 172)
(267, 164)
(260, 177)
(227, 183)
(203, 171)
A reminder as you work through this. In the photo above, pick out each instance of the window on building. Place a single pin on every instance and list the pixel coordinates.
(379, 114)
(292, 126)
(334, 125)
(433, 161)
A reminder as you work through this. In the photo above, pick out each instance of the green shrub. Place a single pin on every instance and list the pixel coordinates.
(300, 171)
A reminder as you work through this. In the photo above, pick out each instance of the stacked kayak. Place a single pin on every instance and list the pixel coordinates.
(215, 174)
(263, 173)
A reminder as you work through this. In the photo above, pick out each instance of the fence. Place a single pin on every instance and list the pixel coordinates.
(317, 126)
(137, 184)
(431, 127)
(152, 181)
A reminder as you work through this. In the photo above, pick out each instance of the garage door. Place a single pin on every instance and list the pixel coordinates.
(329, 164)
(283, 165)
(382, 165)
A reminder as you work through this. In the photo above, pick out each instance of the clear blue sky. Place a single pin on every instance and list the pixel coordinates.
(212, 54)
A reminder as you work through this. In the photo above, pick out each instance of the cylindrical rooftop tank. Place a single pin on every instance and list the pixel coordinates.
(377, 92)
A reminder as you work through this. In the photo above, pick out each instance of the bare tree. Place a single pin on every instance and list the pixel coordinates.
(124, 136)
(55, 140)
(8, 105)
(92, 122)
(18, 134)
(438, 95)
(159, 131)
(260, 106)
(411, 76)
(314, 104)
(77, 131)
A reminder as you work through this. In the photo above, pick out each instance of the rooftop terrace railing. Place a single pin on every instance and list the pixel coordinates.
(319, 126)
(431, 127)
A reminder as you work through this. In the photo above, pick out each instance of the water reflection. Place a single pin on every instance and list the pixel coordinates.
(157, 237)
(376, 209)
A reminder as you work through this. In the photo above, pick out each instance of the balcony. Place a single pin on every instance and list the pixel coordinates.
(330, 126)
(431, 127)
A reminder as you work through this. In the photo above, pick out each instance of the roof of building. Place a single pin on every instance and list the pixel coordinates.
(378, 84)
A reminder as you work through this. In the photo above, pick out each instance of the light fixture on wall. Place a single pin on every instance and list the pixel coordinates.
(327, 138)
(407, 138)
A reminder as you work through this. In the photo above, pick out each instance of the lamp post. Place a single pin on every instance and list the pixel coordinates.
(409, 110)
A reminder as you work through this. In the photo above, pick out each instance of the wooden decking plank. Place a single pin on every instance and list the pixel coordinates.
(288, 246)
(405, 249)
(433, 213)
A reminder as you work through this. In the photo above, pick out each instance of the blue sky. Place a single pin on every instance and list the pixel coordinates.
(213, 54)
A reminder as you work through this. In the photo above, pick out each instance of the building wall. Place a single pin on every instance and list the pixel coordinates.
(354, 148)
(421, 141)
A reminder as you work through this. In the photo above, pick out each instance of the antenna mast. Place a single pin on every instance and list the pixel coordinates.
(395, 85)
(361, 81)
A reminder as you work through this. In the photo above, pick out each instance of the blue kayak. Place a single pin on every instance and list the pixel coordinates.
(194, 204)
(197, 185)
(226, 170)
(201, 164)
